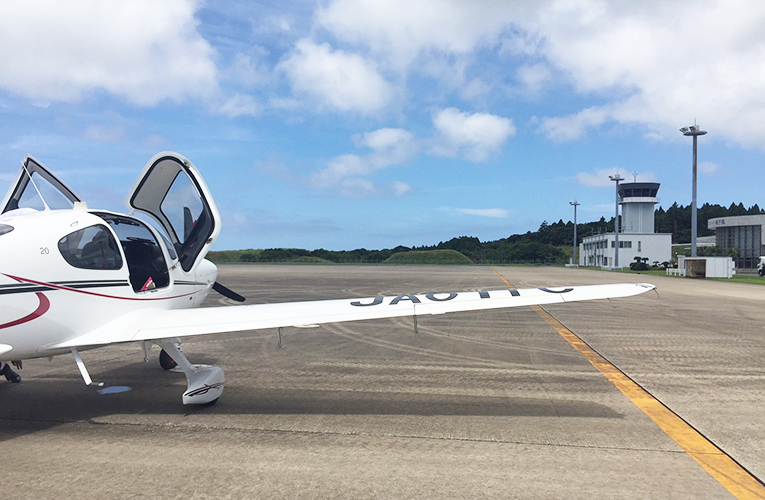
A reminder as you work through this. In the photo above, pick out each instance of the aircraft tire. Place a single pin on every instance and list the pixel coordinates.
(165, 361)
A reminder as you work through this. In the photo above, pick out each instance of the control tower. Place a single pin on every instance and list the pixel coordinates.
(637, 200)
(637, 239)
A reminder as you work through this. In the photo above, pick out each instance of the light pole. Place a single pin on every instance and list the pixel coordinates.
(575, 204)
(616, 178)
(694, 131)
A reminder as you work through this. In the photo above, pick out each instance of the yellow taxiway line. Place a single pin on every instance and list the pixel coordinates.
(729, 473)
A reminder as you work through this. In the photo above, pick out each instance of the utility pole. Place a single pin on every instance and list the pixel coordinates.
(576, 242)
(616, 178)
(693, 131)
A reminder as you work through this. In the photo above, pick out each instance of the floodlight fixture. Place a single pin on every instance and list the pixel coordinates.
(692, 130)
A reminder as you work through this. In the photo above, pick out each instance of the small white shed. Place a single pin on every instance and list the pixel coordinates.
(707, 267)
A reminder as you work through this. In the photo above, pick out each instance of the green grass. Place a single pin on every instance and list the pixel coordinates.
(681, 249)
(226, 256)
(650, 271)
(753, 279)
(414, 257)
(235, 256)
(428, 257)
(309, 259)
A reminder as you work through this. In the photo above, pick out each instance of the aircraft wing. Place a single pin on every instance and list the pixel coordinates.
(156, 324)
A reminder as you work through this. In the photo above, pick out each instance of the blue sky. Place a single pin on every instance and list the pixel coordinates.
(356, 123)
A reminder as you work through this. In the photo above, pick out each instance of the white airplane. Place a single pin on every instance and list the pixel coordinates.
(73, 278)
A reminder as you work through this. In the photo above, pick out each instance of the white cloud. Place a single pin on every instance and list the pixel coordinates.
(660, 64)
(498, 213)
(654, 64)
(284, 103)
(350, 174)
(240, 105)
(155, 142)
(101, 133)
(643, 177)
(249, 70)
(600, 178)
(437, 39)
(572, 127)
(476, 136)
(400, 188)
(273, 24)
(475, 88)
(145, 51)
(708, 167)
(400, 30)
(338, 79)
(390, 145)
(534, 77)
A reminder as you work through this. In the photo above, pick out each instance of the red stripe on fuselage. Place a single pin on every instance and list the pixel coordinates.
(41, 309)
(59, 287)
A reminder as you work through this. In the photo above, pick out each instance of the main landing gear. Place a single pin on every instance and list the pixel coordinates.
(205, 383)
(10, 375)
(165, 361)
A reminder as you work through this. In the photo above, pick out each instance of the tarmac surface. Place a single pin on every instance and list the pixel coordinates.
(491, 404)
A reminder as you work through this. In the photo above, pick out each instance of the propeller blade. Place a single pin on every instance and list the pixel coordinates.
(227, 292)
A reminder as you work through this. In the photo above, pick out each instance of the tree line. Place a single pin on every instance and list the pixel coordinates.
(677, 218)
(547, 245)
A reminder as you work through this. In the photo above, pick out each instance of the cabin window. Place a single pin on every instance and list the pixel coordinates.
(93, 247)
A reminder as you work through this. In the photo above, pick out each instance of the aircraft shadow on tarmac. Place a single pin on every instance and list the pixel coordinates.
(41, 403)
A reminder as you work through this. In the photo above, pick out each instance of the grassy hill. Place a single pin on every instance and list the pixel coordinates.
(428, 257)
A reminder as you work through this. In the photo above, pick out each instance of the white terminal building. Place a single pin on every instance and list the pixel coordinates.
(636, 234)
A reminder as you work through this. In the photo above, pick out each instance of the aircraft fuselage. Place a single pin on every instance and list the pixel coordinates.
(65, 272)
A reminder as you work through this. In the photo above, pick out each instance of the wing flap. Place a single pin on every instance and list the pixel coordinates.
(158, 324)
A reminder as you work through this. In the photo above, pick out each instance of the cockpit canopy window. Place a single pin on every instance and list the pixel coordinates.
(5, 229)
(37, 188)
(170, 192)
(182, 206)
(91, 248)
(145, 260)
(53, 198)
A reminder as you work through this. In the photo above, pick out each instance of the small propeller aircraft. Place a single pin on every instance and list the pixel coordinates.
(73, 278)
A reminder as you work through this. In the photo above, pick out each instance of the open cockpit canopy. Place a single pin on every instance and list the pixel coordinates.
(172, 192)
(37, 188)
